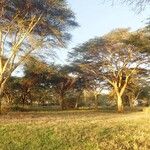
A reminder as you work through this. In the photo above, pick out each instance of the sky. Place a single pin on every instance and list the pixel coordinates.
(97, 18)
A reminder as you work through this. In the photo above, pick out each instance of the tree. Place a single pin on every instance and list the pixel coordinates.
(138, 4)
(26, 26)
(36, 74)
(86, 85)
(131, 93)
(144, 95)
(141, 40)
(110, 58)
(62, 83)
(12, 93)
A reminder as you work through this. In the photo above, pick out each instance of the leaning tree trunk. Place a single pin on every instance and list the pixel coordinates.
(2, 87)
(1, 96)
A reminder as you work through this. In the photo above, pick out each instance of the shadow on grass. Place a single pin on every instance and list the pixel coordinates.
(48, 111)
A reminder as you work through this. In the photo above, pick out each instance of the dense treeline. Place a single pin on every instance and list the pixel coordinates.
(27, 27)
(108, 71)
(112, 70)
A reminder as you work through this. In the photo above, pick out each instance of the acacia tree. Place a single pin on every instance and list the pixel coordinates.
(131, 93)
(62, 83)
(45, 78)
(36, 74)
(86, 84)
(111, 58)
(29, 25)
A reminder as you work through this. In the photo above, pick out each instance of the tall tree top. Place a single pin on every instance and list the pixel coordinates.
(55, 17)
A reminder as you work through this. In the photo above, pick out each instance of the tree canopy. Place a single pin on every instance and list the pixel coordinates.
(29, 25)
(112, 58)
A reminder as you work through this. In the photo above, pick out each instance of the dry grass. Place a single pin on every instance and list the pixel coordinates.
(75, 130)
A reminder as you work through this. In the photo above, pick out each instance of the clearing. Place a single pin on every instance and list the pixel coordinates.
(74, 130)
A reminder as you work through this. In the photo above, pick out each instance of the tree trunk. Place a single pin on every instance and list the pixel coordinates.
(96, 101)
(31, 102)
(1, 96)
(131, 103)
(23, 100)
(43, 102)
(76, 105)
(0, 104)
(119, 103)
(78, 99)
(119, 94)
(62, 102)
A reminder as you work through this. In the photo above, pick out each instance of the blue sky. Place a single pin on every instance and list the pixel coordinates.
(97, 18)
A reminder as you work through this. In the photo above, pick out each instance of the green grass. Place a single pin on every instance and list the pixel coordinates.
(75, 130)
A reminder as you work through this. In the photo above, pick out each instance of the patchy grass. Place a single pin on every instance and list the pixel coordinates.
(75, 130)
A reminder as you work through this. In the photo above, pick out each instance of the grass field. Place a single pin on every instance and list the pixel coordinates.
(75, 130)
